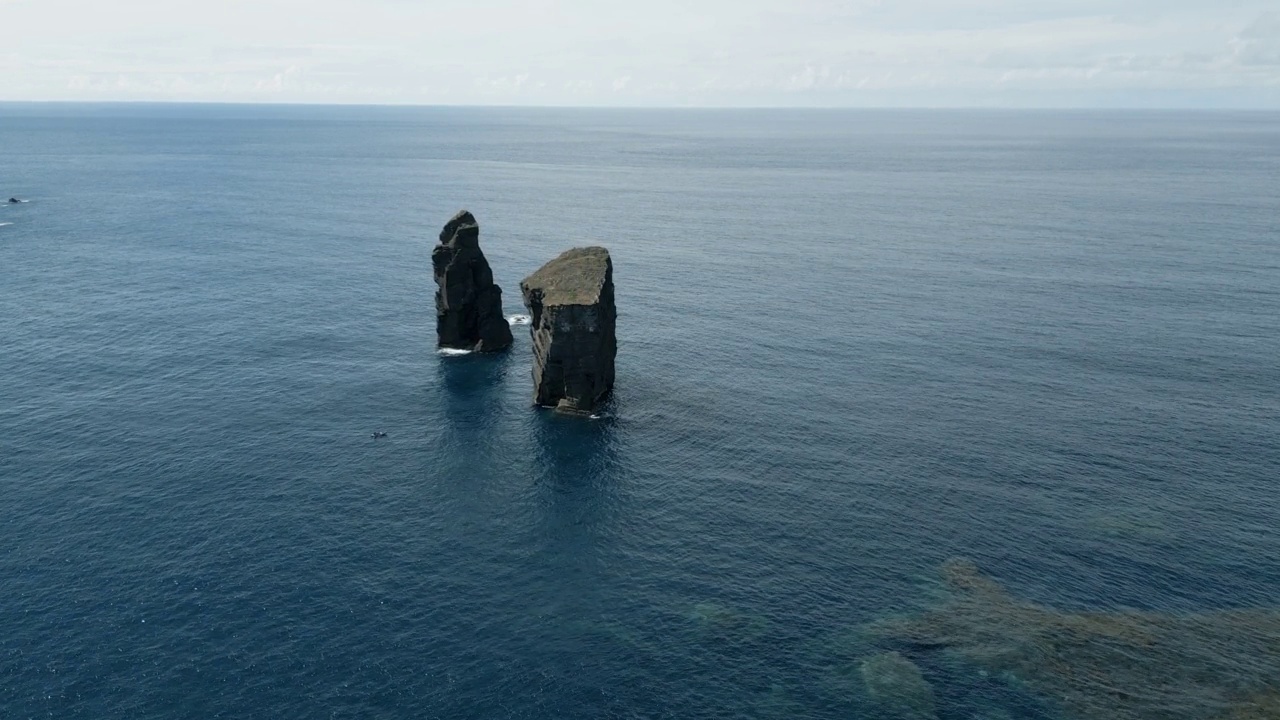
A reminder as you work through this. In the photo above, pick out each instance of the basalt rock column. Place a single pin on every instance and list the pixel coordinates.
(570, 300)
(468, 303)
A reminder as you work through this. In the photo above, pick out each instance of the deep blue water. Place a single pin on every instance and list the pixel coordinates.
(852, 345)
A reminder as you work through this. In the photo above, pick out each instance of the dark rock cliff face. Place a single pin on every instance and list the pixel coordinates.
(468, 303)
(570, 300)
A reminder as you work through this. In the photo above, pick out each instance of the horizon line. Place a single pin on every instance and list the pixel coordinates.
(552, 106)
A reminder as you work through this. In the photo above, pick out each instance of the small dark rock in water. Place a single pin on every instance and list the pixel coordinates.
(570, 300)
(468, 303)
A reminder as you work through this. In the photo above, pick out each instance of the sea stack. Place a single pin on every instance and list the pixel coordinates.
(468, 303)
(570, 300)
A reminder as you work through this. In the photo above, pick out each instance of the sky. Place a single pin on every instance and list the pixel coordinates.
(803, 53)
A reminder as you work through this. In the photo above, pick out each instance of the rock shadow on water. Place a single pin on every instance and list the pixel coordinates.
(577, 508)
(472, 377)
(580, 486)
(576, 452)
(1219, 665)
(472, 393)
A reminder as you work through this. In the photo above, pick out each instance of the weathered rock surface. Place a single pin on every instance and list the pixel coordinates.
(570, 300)
(468, 303)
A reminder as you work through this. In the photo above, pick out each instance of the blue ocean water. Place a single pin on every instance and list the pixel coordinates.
(853, 344)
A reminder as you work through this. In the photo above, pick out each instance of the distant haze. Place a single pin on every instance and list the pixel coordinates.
(1016, 53)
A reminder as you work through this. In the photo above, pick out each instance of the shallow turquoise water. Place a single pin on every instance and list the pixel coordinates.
(852, 345)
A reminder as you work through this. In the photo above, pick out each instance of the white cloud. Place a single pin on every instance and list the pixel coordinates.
(656, 52)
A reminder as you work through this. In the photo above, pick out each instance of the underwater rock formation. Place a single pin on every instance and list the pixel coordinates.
(898, 688)
(468, 303)
(1261, 707)
(570, 300)
(725, 622)
(1222, 665)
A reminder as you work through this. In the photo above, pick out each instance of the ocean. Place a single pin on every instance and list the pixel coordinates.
(853, 346)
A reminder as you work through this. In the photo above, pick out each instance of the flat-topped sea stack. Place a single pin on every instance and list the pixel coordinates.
(468, 303)
(573, 317)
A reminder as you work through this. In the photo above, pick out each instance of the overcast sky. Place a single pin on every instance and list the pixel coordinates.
(1183, 53)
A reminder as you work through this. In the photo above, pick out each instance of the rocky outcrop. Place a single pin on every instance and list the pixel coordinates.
(468, 303)
(570, 301)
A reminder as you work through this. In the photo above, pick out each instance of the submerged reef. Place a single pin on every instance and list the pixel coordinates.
(714, 619)
(898, 688)
(1222, 665)
(570, 301)
(468, 302)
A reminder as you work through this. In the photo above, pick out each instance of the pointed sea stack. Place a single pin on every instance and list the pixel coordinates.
(571, 303)
(468, 303)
